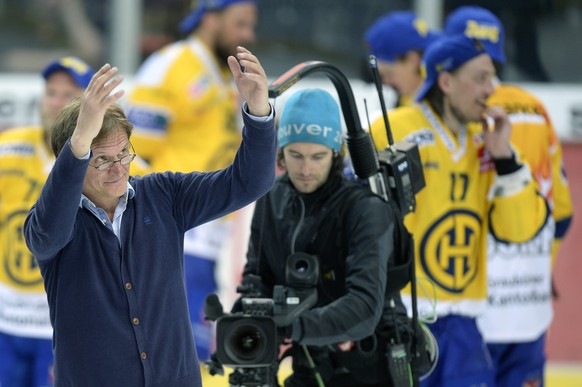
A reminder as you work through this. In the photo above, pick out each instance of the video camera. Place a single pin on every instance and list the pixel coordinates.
(248, 339)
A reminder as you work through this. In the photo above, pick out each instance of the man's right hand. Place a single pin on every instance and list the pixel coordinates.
(95, 101)
(497, 137)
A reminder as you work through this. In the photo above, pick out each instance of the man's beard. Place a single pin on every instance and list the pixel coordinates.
(223, 51)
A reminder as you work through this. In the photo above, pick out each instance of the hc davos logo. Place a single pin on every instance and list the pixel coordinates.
(449, 250)
(19, 266)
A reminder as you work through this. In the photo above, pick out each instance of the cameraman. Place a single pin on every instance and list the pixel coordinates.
(313, 209)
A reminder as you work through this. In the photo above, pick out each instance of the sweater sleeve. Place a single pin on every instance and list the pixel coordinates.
(519, 210)
(50, 222)
(202, 197)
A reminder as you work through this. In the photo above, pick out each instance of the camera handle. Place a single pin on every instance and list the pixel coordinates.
(213, 309)
(284, 315)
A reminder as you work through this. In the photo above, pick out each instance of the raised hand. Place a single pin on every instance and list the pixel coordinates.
(497, 137)
(95, 101)
(252, 84)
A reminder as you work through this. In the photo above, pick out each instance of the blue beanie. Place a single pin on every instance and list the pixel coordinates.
(190, 22)
(447, 54)
(80, 71)
(396, 33)
(311, 115)
(478, 23)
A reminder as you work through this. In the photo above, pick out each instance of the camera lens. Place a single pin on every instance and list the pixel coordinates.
(246, 342)
(302, 270)
(301, 266)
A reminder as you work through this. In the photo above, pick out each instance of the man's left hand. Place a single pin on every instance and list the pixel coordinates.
(252, 82)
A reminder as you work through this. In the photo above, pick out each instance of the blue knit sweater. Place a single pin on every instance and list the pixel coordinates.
(119, 310)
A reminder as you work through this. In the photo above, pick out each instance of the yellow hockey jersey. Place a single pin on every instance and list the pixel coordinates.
(462, 200)
(25, 162)
(533, 134)
(519, 274)
(185, 107)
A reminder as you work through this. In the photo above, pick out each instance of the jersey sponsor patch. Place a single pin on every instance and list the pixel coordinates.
(431, 165)
(527, 118)
(147, 119)
(421, 137)
(16, 149)
(450, 248)
(199, 86)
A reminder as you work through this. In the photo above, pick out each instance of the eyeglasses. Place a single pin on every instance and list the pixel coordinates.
(123, 161)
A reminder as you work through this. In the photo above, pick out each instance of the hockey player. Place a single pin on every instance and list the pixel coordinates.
(519, 309)
(475, 182)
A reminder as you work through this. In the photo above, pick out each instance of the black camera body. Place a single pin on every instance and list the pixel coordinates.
(248, 338)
